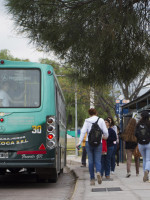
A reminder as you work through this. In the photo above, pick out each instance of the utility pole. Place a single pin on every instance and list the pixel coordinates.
(92, 97)
(76, 122)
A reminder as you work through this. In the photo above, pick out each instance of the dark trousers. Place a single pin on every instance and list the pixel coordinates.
(117, 157)
(106, 161)
(113, 161)
(83, 159)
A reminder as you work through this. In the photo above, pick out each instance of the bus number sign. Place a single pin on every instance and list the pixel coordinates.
(37, 129)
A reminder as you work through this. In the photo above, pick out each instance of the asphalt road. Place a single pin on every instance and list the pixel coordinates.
(25, 187)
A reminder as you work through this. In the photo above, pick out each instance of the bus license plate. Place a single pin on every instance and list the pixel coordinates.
(3, 155)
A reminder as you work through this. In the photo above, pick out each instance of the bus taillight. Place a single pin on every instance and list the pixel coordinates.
(50, 120)
(2, 61)
(50, 132)
(50, 128)
(50, 136)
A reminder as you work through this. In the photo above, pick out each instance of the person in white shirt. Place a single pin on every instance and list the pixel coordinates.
(94, 153)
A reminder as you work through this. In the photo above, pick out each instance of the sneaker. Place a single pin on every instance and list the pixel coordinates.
(92, 182)
(128, 175)
(107, 177)
(145, 177)
(112, 172)
(99, 178)
(83, 166)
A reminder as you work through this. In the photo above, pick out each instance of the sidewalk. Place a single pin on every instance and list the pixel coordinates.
(117, 188)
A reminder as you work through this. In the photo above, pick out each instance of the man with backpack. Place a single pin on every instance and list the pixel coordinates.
(142, 134)
(96, 129)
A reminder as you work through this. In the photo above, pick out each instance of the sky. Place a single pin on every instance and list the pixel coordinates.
(18, 45)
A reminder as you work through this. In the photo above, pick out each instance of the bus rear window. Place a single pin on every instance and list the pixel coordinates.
(20, 88)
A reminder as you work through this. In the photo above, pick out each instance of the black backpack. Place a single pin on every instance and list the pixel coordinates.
(95, 134)
(142, 134)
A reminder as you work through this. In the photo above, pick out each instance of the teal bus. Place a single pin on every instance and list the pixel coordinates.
(32, 120)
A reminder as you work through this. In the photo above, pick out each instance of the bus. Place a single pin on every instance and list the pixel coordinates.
(32, 120)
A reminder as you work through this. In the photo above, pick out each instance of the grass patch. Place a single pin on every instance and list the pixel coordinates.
(71, 146)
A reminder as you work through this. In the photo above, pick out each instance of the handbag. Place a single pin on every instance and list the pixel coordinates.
(136, 152)
(104, 147)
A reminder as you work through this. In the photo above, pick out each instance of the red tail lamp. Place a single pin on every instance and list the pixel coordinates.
(49, 72)
(50, 136)
(2, 61)
(1, 119)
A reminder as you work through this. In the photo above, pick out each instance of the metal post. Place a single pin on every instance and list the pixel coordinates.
(121, 128)
(91, 97)
(76, 122)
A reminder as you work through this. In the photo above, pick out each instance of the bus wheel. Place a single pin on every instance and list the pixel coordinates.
(62, 170)
(49, 174)
(53, 179)
(40, 180)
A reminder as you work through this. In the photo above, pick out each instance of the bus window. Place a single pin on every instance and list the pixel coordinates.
(20, 88)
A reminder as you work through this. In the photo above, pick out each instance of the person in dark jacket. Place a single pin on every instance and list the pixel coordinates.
(131, 143)
(114, 127)
(106, 159)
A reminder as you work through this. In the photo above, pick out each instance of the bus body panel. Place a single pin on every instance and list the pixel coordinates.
(23, 133)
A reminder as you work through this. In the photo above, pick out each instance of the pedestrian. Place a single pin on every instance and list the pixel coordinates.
(113, 160)
(83, 158)
(106, 158)
(93, 152)
(130, 145)
(142, 134)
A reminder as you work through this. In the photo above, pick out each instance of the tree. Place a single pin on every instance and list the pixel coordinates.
(6, 55)
(104, 41)
(68, 87)
(131, 89)
(104, 102)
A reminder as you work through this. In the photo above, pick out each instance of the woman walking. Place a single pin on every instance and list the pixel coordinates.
(142, 133)
(94, 152)
(113, 160)
(130, 145)
(106, 158)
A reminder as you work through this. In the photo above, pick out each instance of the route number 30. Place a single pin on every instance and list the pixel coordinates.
(37, 129)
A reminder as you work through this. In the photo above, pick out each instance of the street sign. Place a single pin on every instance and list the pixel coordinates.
(119, 103)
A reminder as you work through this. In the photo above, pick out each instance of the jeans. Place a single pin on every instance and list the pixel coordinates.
(94, 158)
(106, 161)
(145, 152)
(113, 160)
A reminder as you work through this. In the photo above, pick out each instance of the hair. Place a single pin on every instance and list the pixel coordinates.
(107, 120)
(112, 123)
(130, 131)
(118, 128)
(144, 118)
(92, 111)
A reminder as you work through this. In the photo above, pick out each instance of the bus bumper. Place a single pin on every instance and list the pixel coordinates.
(49, 163)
